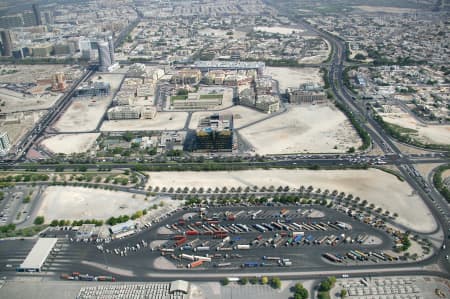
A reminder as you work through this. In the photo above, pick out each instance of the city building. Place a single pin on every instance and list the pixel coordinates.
(37, 14)
(196, 101)
(206, 66)
(5, 143)
(124, 112)
(42, 50)
(267, 103)
(6, 43)
(17, 53)
(12, 21)
(215, 134)
(64, 49)
(88, 89)
(111, 49)
(104, 56)
(187, 76)
(59, 82)
(306, 94)
(29, 19)
(148, 112)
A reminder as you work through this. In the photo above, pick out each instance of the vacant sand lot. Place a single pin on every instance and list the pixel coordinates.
(293, 77)
(85, 113)
(73, 203)
(13, 101)
(426, 133)
(162, 121)
(241, 116)
(303, 129)
(278, 30)
(377, 187)
(70, 143)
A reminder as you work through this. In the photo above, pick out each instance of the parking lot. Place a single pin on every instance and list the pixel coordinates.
(224, 238)
(15, 206)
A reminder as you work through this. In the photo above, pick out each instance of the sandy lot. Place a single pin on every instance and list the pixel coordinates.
(309, 128)
(386, 9)
(23, 122)
(426, 133)
(293, 77)
(73, 143)
(163, 121)
(377, 187)
(242, 116)
(84, 113)
(42, 98)
(73, 203)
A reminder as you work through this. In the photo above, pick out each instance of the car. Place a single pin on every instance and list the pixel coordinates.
(345, 276)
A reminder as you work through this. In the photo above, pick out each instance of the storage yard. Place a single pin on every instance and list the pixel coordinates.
(377, 187)
(303, 129)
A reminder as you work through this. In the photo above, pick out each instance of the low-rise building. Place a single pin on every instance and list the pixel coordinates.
(196, 101)
(124, 112)
(306, 94)
(148, 112)
(92, 89)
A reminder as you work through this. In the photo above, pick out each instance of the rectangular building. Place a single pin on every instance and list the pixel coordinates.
(215, 134)
(37, 256)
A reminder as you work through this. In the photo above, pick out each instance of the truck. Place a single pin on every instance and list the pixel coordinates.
(250, 265)
(295, 234)
(105, 278)
(187, 257)
(192, 233)
(195, 264)
(309, 239)
(271, 258)
(202, 248)
(298, 239)
(242, 247)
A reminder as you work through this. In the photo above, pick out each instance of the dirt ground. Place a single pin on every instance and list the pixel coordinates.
(70, 143)
(303, 129)
(74, 203)
(294, 77)
(428, 133)
(380, 188)
(162, 121)
(24, 121)
(84, 113)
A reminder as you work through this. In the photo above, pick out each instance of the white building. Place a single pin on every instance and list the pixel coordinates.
(5, 143)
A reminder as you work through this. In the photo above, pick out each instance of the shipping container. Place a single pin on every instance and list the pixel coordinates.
(195, 264)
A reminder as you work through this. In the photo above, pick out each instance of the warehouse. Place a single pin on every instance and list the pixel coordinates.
(37, 256)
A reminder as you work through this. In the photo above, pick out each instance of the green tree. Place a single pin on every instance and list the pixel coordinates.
(264, 280)
(39, 220)
(276, 283)
(343, 293)
(225, 281)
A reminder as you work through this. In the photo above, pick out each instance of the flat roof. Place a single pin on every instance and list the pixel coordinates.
(39, 253)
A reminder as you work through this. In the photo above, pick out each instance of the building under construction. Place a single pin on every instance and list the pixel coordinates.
(215, 134)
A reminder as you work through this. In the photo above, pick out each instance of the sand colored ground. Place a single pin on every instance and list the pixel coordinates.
(293, 77)
(70, 143)
(304, 128)
(162, 121)
(14, 101)
(17, 129)
(386, 9)
(279, 30)
(427, 133)
(85, 113)
(73, 203)
(241, 116)
(377, 187)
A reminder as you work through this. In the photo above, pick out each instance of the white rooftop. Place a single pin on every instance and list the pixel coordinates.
(39, 253)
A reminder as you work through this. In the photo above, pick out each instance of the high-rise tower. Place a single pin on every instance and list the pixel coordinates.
(111, 49)
(6, 42)
(37, 14)
(104, 56)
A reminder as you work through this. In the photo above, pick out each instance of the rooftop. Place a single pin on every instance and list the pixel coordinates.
(39, 253)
